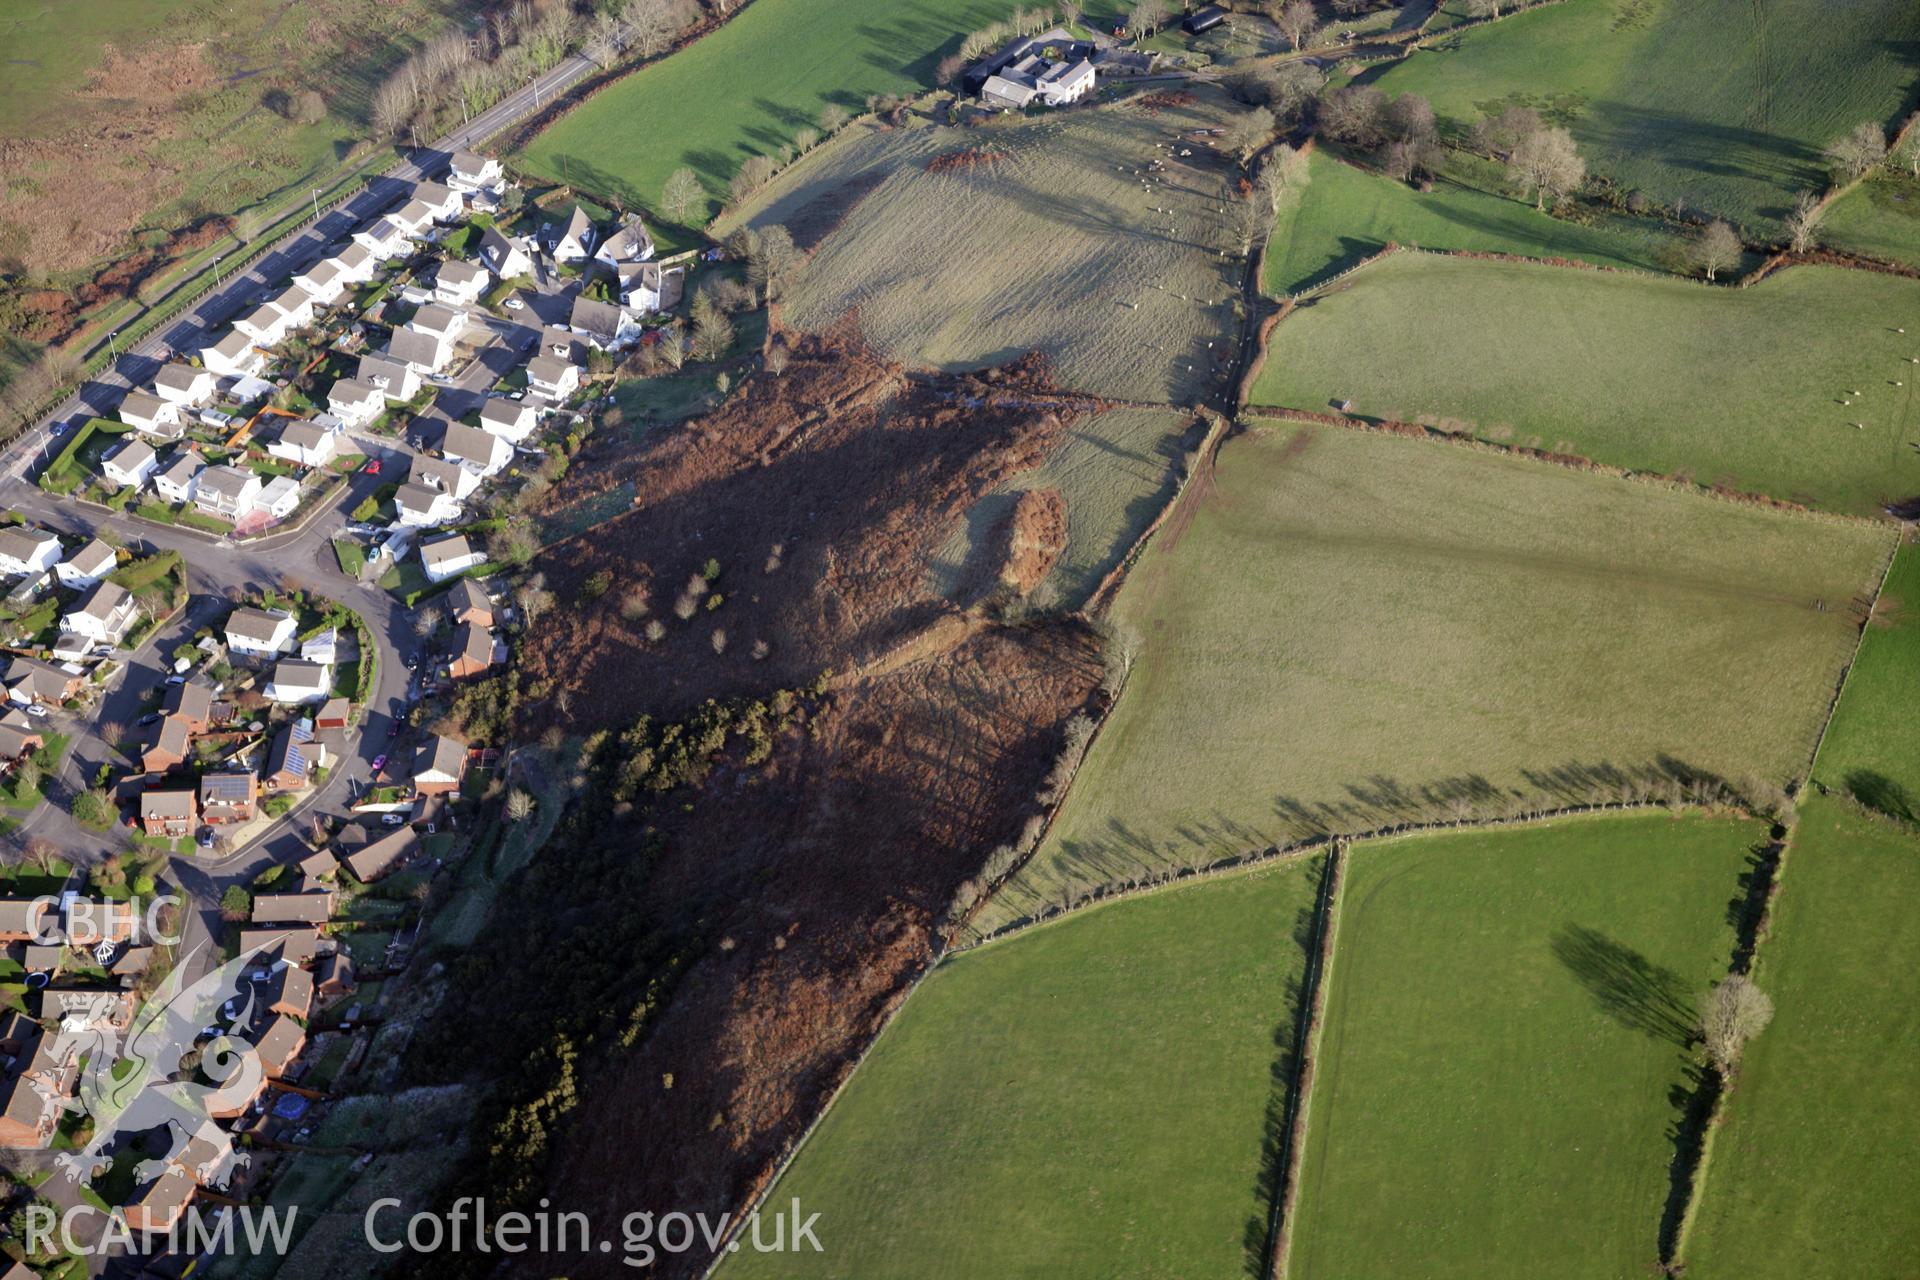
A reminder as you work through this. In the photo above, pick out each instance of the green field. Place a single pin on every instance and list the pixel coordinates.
(1742, 387)
(1725, 104)
(1872, 748)
(1344, 213)
(1880, 218)
(1049, 243)
(1360, 630)
(1812, 1170)
(1117, 470)
(749, 88)
(1089, 1099)
(1505, 1018)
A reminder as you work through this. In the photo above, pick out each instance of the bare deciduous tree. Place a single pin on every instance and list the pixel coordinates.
(1715, 249)
(1296, 21)
(1547, 164)
(1148, 16)
(1803, 221)
(1857, 151)
(771, 255)
(1734, 1013)
(519, 805)
(682, 196)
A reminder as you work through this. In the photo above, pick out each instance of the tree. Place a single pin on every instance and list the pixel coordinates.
(771, 254)
(1715, 249)
(606, 39)
(1355, 115)
(43, 853)
(1296, 21)
(112, 732)
(1547, 164)
(1499, 135)
(309, 107)
(1852, 154)
(93, 809)
(1410, 119)
(682, 196)
(1284, 172)
(712, 331)
(1735, 1012)
(833, 118)
(1803, 221)
(1291, 88)
(1248, 132)
(651, 24)
(1148, 16)
(236, 903)
(427, 621)
(1908, 152)
(519, 805)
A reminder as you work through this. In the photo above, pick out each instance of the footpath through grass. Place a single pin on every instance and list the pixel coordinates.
(1812, 1171)
(1749, 387)
(1507, 1015)
(1090, 1099)
(1360, 630)
(1724, 104)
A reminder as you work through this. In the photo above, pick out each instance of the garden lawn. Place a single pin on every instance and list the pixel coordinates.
(1741, 387)
(1344, 213)
(1880, 218)
(1506, 1016)
(748, 89)
(1088, 1099)
(1812, 1170)
(1872, 748)
(1724, 104)
(1358, 631)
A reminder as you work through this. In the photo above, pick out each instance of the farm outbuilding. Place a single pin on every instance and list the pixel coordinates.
(1203, 19)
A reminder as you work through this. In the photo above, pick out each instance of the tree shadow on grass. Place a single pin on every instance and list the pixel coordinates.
(1626, 986)
(1283, 1099)
(1879, 792)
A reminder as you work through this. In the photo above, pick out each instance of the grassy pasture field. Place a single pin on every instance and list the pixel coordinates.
(1116, 471)
(748, 89)
(1872, 748)
(1051, 243)
(1880, 218)
(1344, 213)
(1505, 1018)
(1725, 104)
(1092, 1098)
(1743, 387)
(1359, 630)
(1812, 1170)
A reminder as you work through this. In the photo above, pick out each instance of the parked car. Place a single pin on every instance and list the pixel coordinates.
(393, 819)
(372, 468)
(380, 762)
(152, 717)
(37, 711)
(176, 679)
(58, 429)
(515, 304)
(206, 839)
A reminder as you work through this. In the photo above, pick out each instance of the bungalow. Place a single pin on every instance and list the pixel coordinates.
(335, 977)
(424, 352)
(459, 284)
(168, 750)
(446, 557)
(30, 681)
(647, 287)
(278, 497)
(258, 633)
(478, 451)
(179, 481)
(130, 464)
(356, 403)
(227, 798)
(183, 384)
(297, 681)
(396, 378)
(467, 602)
(472, 172)
(233, 356)
(553, 378)
(280, 1047)
(334, 714)
(292, 757)
(26, 550)
(168, 815)
(603, 325)
(472, 652)
(439, 765)
(86, 566)
(384, 856)
(290, 991)
(104, 616)
(505, 258)
(266, 324)
(423, 506)
(293, 908)
(511, 420)
(227, 491)
(442, 202)
(439, 320)
(191, 703)
(384, 238)
(296, 304)
(306, 444)
(324, 282)
(144, 411)
(572, 242)
(630, 243)
(296, 946)
(440, 473)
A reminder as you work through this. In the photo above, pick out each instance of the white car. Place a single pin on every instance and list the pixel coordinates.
(515, 304)
(392, 819)
(37, 711)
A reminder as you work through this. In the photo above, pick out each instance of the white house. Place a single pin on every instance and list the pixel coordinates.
(384, 238)
(322, 646)
(278, 497)
(230, 492)
(472, 172)
(630, 243)
(511, 420)
(183, 384)
(324, 282)
(258, 633)
(179, 480)
(504, 257)
(130, 464)
(476, 450)
(420, 350)
(265, 324)
(459, 284)
(233, 356)
(357, 265)
(603, 325)
(445, 557)
(296, 304)
(574, 241)
(396, 379)
(552, 377)
(1061, 83)
(104, 616)
(646, 287)
(24, 550)
(416, 216)
(87, 566)
(299, 682)
(442, 202)
(148, 413)
(444, 475)
(562, 343)
(356, 403)
(439, 320)
(423, 506)
(306, 444)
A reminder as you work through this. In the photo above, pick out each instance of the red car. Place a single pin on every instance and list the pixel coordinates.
(372, 468)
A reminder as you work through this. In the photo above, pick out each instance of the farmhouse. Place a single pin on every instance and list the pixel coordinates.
(234, 355)
(445, 557)
(130, 464)
(148, 413)
(648, 287)
(258, 633)
(1052, 67)
(472, 172)
(603, 325)
(105, 615)
(572, 242)
(630, 243)
(503, 257)
(183, 384)
(167, 815)
(227, 491)
(306, 444)
(356, 403)
(439, 765)
(179, 481)
(511, 420)
(298, 682)
(86, 566)
(24, 550)
(459, 284)
(480, 452)
(229, 797)
(553, 378)
(396, 379)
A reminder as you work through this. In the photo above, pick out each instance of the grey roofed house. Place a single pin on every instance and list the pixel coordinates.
(180, 472)
(21, 917)
(352, 391)
(304, 434)
(384, 855)
(93, 560)
(172, 739)
(473, 443)
(440, 756)
(497, 251)
(291, 299)
(446, 551)
(433, 193)
(458, 275)
(133, 455)
(418, 348)
(1115, 61)
(234, 345)
(415, 499)
(174, 805)
(468, 164)
(293, 908)
(436, 473)
(579, 228)
(225, 483)
(105, 600)
(192, 700)
(667, 284)
(257, 625)
(629, 244)
(291, 753)
(319, 864)
(265, 318)
(601, 319)
(178, 377)
(294, 945)
(438, 319)
(42, 681)
(562, 344)
(354, 257)
(16, 738)
(22, 544)
(549, 371)
(374, 368)
(414, 213)
(501, 412)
